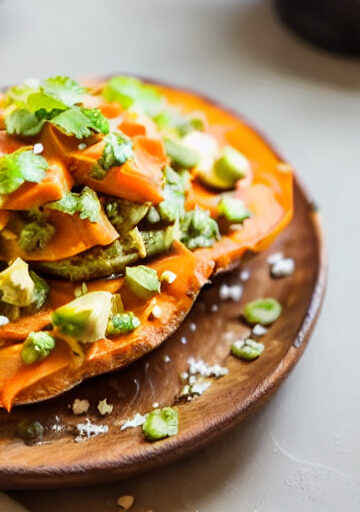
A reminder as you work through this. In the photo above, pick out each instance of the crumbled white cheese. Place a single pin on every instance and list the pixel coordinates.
(156, 312)
(82, 146)
(200, 387)
(214, 308)
(4, 320)
(230, 292)
(136, 421)
(168, 276)
(259, 330)
(183, 340)
(282, 268)
(273, 258)
(244, 275)
(155, 405)
(192, 327)
(38, 148)
(199, 367)
(80, 406)
(167, 359)
(184, 376)
(104, 407)
(87, 430)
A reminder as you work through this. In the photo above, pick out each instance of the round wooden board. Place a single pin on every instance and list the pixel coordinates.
(156, 377)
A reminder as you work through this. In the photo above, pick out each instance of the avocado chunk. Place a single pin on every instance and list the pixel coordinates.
(233, 209)
(37, 346)
(181, 156)
(143, 281)
(16, 285)
(231, 166)
(161, 423)
(122, 323)
(85, 318)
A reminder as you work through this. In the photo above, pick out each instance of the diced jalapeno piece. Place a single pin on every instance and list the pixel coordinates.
(37, 347)
(143, 281)
(232, 165)
(234, 210)
(247, 349)
(31, 432)
(262, 311)
(122, 323)
(161, 423)
(181, 156)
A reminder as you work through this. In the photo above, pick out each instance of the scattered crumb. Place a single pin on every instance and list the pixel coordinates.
(80, 406)
(228, 335)
(183, 340)
(156, 312)
(136, 421)
(282, 268)
(192, 327)
(244, 275)
(104, 407)
(155, 405)
(200, 387)
(125, 502)
(4, 320)
(259, 330)
(82, 146)
(214, 308)
(233, 292)
(184, 376)
(273, 258)
(38, 148)
(168, 276)
(199, 367)
(87, 430)
(167, 359)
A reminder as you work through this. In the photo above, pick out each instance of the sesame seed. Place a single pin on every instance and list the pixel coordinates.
(156, 312)
(214, 308)
(183, 340)
(155, 405)
(167, 359)
(192, 327)
(82, 146)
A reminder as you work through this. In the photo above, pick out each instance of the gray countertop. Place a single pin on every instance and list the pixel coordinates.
(301, 451)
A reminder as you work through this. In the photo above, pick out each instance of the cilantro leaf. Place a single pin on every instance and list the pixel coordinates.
(23, 122)
(130, 91)
(81, 122)
(172, 207)
(18, 167)
(118, 149)
(64, 89)
(18, 94)
(41, 101)
(86, 204)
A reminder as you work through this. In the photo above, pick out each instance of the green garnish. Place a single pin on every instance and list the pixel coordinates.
(231, 166)
(189, 124)
(81, 122)
(118, 149)
(131, 92)
(40, 292)
(64, 89)
(234, 210)
(198, 229)
(37, 346)
(181, 156)
(23, 122)
(20, 166)
(161, 423)
(85, 203)
(125, 215)
(262, 311)
(122, 323)
(36, 236)
(247, 349)
(38, 101)
(143, 281)
(31, 432)
(172, 207)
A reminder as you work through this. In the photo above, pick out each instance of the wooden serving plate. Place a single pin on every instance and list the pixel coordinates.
(119, 454)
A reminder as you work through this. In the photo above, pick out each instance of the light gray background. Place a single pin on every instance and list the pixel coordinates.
(301, 451)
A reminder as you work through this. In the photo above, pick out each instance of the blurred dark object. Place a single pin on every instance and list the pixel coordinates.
(331, 24)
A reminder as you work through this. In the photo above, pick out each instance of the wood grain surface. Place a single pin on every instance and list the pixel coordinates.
(155, 378)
